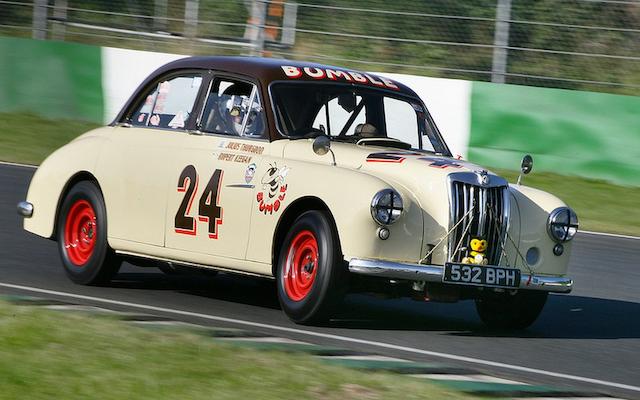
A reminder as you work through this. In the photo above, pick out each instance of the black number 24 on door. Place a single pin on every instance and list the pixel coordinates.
(208, 209)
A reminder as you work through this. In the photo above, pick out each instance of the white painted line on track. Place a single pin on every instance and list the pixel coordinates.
(570, 398)
(165, 323)
(80, 308)
(274, 340)
(616, 235)
(366, 358)
(468, 378)
(327, 336)
(18, 164)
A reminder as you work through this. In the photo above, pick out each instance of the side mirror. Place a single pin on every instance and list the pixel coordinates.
(322, 145)
(525, 166)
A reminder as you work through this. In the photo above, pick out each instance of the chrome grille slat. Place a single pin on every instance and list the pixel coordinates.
(491, 230)
(466, 207)
(504, 200)
(494, 234)
(483, 215)
(496, 230)
(488, 219)
(458, 210)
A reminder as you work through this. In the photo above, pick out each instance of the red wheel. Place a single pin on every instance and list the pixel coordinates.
(80, 231)
(311, 272)
(301, 265)
(82, 236)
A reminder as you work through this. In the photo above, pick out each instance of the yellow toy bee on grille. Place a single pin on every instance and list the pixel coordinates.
(476, 255)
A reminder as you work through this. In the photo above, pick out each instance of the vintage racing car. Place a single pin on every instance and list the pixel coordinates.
(327, 179)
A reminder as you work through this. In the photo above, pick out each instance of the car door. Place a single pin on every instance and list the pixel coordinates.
(135, 165)
(214, 174)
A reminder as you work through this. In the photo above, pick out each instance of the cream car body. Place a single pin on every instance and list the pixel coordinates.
(265, 182)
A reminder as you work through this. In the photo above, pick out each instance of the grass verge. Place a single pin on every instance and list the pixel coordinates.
(28, 139)
(601, 206)
(46, 354)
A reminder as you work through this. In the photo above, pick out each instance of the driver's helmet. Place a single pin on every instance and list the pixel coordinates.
(233, 106)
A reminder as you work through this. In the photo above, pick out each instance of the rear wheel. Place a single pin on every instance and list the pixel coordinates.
(82, 236)
(311, 274)
(511, 311)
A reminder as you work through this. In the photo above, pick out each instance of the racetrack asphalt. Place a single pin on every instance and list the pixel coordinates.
(592, 333)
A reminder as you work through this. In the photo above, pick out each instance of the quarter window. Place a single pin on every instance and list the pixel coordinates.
(402, 121)
(169, 104)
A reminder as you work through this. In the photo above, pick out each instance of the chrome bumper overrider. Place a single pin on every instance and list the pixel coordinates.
(25, 209)
(434, 273)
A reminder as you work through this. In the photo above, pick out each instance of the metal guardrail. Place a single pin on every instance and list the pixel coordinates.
(577, 44)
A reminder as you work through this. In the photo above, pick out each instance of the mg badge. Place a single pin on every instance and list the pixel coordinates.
(483, 177)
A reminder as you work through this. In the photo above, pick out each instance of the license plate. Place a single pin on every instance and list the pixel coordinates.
(481, 275)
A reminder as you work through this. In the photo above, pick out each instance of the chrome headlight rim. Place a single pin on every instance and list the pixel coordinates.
(569, 228)
(394, 199)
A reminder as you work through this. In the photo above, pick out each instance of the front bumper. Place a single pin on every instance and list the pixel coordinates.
(434, 273)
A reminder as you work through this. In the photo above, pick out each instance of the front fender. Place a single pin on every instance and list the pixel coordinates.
(50, 180)
(348, 194)
(534, 207)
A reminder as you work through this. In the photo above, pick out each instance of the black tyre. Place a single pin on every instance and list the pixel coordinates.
(311, 274)
(511, 311)
(82, 236)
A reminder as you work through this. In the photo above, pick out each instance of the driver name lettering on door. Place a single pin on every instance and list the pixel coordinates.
(248, 148)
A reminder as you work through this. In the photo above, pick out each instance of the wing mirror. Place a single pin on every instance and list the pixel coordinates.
(322, 145)
(525, 166)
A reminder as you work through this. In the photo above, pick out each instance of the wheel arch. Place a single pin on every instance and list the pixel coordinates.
(79, 176)
(293, 211)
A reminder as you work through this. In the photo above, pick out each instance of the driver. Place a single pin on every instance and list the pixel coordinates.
(233, 107)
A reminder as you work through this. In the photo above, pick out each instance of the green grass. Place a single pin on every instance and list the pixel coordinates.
(601, 206)
(26, 138)
(53, 355)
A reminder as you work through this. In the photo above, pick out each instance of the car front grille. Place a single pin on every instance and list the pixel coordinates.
(488, 219)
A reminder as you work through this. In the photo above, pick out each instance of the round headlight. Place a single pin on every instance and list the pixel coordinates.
(386, 206)
(562, 224)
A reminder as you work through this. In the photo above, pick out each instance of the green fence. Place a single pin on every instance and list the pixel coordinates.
(588, 134)
(51, 79)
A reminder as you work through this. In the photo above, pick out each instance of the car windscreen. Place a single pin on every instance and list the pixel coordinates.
(351, 113)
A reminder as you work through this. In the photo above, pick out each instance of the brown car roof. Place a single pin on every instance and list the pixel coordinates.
(265, 70)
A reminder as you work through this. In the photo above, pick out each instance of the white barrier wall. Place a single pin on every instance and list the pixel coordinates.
(123, 71)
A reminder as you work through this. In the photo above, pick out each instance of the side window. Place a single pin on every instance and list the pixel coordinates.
(401, 120)
(233, 108)
(169, 104)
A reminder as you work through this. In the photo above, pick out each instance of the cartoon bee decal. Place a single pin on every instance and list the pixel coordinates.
(273, 189)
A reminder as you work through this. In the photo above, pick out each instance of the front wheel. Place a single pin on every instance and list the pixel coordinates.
(82, 236)
(311, 274)
(511, 311)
